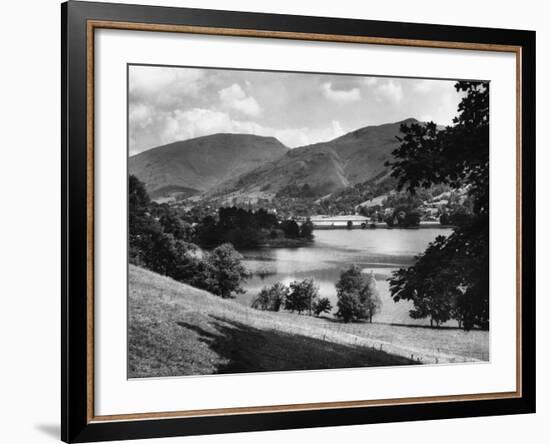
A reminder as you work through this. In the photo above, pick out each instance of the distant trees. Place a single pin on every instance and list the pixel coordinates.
(299, 296)
(271, 298)
(358, 296)
(460, 216)
(247, 229)
(306, 230)
(293, 190)
(290, 228)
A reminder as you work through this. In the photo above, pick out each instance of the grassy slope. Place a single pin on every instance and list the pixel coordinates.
(175, 329)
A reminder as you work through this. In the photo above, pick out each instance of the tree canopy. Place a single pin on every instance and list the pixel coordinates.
(159, 241)
(451, 278)
(357, 295)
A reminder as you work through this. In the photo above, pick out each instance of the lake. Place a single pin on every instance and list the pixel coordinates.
(380, 251)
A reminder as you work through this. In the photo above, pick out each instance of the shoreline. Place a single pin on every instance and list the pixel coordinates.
(383, 227)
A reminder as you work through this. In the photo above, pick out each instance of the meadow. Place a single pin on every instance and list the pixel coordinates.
(176, 330)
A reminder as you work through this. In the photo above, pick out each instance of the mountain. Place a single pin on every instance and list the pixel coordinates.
(321, 168)
(197, 165)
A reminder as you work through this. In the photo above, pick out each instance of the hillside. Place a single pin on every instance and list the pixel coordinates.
(196, 165)
(175, 330)
(325, 167)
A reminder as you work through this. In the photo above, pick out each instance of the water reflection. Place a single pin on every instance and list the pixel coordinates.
(380, 251)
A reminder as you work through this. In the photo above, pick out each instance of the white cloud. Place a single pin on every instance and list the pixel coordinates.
(295, 137)
(337, 129)
(389, 90)
(140, 115)
(234, 97)
(423, 86)
(196, 122)
(370, 81)
(342, 97)
(426, 118)
(157, 84)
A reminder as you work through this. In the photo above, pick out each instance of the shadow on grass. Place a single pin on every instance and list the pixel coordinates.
(394, 324)
(243, 348)
(429, 327)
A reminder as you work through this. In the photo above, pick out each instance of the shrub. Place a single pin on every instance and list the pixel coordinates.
(322, 305)
(271, 298)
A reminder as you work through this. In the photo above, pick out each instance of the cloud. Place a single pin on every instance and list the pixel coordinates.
(234, 97)
(390, 91)
(426, 118)
(164, 87)
(423, 86)
(171, 104)
(196, 122)
(340, 96)
(295, 137)
(370, 81)
(140, 116)
(337, 129)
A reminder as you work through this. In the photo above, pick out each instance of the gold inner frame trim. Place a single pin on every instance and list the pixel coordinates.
(98, 24)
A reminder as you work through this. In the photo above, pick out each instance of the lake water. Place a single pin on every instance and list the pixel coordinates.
(380, 251)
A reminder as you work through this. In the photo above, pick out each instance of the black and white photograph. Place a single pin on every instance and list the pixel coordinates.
(284, 221)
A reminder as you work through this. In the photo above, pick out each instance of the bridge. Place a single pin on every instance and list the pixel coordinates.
(330, 222)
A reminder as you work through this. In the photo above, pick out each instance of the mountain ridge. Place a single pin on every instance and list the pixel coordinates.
(200, 163)
(323, 167)
(227, 164)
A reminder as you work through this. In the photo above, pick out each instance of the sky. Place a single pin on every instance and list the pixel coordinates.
(169, 104)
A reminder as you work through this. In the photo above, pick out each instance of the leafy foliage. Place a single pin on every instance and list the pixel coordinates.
(450, 279)
(246, 228)
(290, 228)
(302, 296)
(226, 272)
(358, 296)
(158, 241)
(321, 305)
(271, 298)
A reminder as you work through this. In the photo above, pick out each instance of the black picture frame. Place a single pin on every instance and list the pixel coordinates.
(76, 423)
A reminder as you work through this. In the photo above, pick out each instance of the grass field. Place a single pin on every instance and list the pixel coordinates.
(175, 329)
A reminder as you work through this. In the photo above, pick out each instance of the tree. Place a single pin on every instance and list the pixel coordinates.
(306, 230)
(149, 245)
(321, 305)
(226, 271)
(290, 228)
(172, 223)
(302, 296)
(349, 306)
(451, 277)
(412, 219)
(358, 296)
(271, 298)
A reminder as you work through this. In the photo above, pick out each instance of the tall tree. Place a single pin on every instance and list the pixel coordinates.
(358, 296)
(451, 277)
(226, 271)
